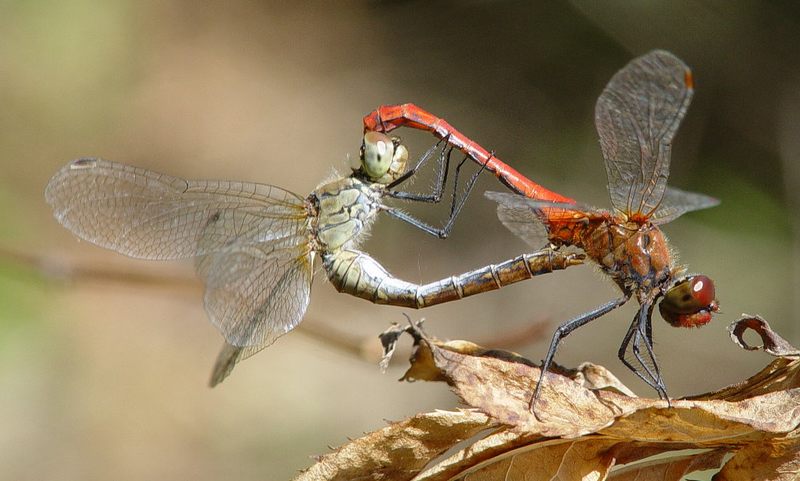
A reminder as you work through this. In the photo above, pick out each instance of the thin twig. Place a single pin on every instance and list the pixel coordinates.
(58, 268)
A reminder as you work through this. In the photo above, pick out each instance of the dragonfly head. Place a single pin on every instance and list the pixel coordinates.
(383, 158)
(689, 302)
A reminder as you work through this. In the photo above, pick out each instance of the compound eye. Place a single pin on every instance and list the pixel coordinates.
(690, 302)
(377, 154)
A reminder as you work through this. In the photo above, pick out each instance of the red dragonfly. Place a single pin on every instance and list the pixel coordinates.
(636, 117)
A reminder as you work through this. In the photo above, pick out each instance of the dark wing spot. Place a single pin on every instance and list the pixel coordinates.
(214, 218)
(84, 163)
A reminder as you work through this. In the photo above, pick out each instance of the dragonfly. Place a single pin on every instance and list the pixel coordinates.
(255, 244)
(636, 116)
(387, 118)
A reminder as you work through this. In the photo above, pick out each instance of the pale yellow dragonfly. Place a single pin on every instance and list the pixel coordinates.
(255, 244)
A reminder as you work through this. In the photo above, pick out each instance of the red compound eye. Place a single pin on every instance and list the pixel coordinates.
(702, 288)
(690, 302)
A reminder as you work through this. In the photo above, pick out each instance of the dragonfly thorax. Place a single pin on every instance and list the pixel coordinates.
(636, 256)
(346, 209)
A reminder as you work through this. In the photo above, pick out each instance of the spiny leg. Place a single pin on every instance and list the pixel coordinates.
(623, 351)
(441, 177)
(648, 337)
(455, 206)
(563, 331)
(657, 383)
(637, 332)
(646, 333)
(633, 334)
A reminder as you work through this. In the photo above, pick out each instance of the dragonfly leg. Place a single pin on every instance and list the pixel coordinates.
(456, 205)
(644, 332)
(389, 117)
(638, 333)
(441, 180)
(563, 331)
(656, 382)
(647, 334)
(649, 339)
(444, 164)
(623, 351)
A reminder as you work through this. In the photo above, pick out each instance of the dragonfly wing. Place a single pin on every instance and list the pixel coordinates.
(251, 240)
(227, 359)
(637, 116)
(677, 202)
(256, 293)
(144, 214)
(520, 218)
(531, 219)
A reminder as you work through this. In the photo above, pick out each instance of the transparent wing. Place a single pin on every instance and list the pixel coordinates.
(254, 294)
(251, 240)
(227, 359)
(677, 202)
(148, 215)
(530, 219)
(520, 218)
(637, 116)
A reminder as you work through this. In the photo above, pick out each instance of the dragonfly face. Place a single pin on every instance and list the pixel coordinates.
(383, 158)
(690, 302)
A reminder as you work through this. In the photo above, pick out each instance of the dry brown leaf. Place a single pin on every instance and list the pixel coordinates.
(583, 459)
(589, 426)
(712, 423)
(765, 462)
(781, 374)
(669, 468)
(400, 450)
(503, 390)
(773, 343)
(482, 450)
(594, 377)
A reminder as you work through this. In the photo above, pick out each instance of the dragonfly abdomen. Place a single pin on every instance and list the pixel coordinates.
(358, 274)
(495, 276)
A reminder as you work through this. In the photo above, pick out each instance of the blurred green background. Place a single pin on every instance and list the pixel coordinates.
(104, 360)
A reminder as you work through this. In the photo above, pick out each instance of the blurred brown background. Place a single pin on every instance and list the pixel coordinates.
(106, 378)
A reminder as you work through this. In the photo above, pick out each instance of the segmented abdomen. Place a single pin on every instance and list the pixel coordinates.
(360, 275)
